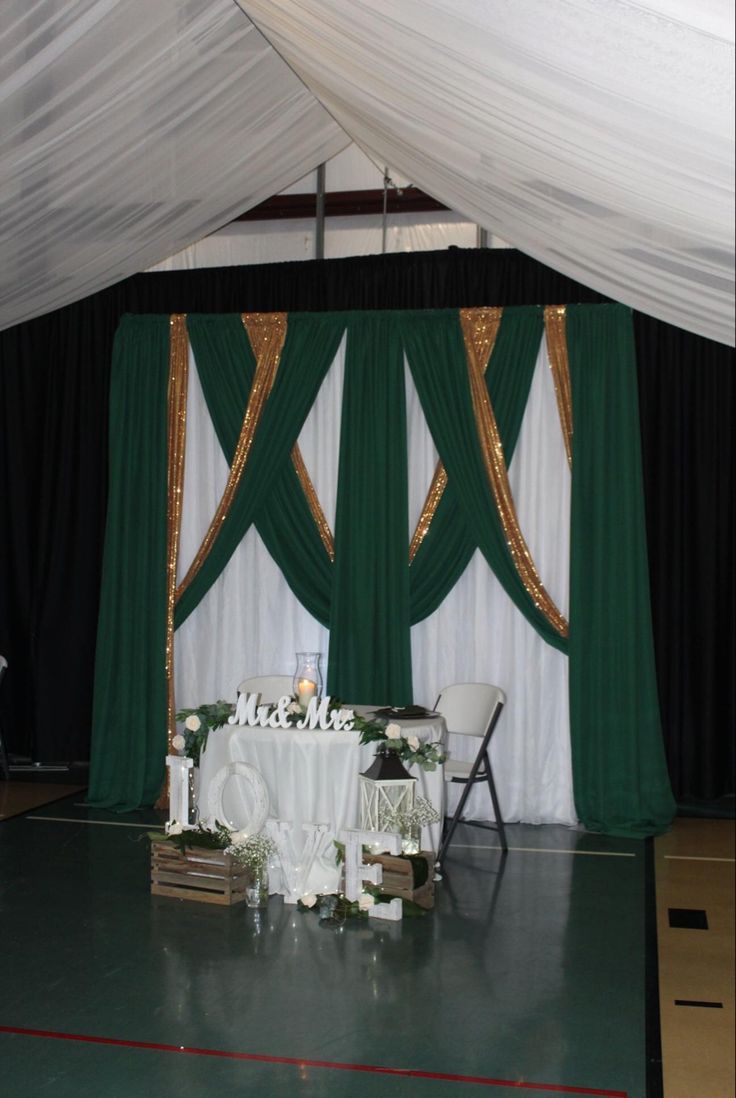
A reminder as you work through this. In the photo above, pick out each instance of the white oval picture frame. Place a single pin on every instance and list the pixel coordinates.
(258, 789)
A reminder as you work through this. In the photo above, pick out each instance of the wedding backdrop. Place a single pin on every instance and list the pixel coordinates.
(54, 403)
(472, 371)
(597, 137)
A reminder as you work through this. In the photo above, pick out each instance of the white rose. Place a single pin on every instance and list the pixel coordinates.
(294, 707)
(193, 723)
(309, 899)
(365, 901)
(175, 828)
(393, 731)
(413, 742)
(178, 742)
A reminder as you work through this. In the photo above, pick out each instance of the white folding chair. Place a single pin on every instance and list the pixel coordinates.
(269, 687)
(3, 753)
(471, 709)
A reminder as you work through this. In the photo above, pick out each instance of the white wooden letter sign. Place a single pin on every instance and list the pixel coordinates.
(318, 715)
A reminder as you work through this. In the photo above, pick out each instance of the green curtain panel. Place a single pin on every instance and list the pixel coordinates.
(619, 771)
(448, 545)
(370, 655)
(129, 712)
(436, 354)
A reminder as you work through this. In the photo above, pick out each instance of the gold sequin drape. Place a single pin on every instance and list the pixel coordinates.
(267, 332)
(485, 330)
(495, 465)
(176, 440)
(554, 327)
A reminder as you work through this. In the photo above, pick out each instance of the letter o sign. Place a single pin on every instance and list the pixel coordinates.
(258, 796)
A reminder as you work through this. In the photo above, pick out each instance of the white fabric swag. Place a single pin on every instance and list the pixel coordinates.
(597, 136)
(594, 135)
(250, 623)
(132, 128)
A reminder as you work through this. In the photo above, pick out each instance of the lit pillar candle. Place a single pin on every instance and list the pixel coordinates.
(307, 689)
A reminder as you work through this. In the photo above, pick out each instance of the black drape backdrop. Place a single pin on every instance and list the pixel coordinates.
(54, 375)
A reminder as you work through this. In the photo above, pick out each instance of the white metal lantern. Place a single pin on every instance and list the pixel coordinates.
(386, 790)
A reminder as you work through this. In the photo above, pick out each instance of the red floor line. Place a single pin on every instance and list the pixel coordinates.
(409, 1073)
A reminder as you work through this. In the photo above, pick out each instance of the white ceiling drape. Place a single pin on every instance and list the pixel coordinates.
(594, 135)
(131, 128)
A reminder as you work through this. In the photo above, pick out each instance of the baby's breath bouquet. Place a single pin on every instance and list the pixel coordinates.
(409, 823)
(253, 852)
(421, 814)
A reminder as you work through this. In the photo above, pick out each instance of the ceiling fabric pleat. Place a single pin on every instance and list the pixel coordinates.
(596, 137)
(130, 129)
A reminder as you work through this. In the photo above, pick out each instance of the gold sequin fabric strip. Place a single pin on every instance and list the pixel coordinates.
(554, 327)
(314, 505)
(495, 465)
(176, 442)
(267, 332)
(485, 325)
(432, 502)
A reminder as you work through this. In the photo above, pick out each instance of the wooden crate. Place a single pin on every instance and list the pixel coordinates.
(398, 877)
(206, 876)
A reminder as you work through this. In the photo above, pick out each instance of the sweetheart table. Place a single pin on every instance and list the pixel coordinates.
(312, 778)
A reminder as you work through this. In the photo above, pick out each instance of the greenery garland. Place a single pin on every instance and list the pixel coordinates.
(252, 851)
(203, 719)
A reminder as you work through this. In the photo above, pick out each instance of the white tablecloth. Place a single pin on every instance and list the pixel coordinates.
(312, 777)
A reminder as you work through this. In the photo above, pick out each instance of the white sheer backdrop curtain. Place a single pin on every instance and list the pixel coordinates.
(594, 135)
(130, 129)
(250, 622)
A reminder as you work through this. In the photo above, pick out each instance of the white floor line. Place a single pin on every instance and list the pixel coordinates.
(456, 846)
(99, 823)
(695, 858)
(543, 850)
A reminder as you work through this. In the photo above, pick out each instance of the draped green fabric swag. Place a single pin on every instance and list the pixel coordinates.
(226, 365)
(444, 392)
(310, 346)
(448, 545)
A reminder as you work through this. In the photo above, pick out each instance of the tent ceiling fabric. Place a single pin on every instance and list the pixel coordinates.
(132, 128)
(594, 135)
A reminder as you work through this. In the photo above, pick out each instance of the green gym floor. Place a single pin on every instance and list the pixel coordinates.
(535, 974)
